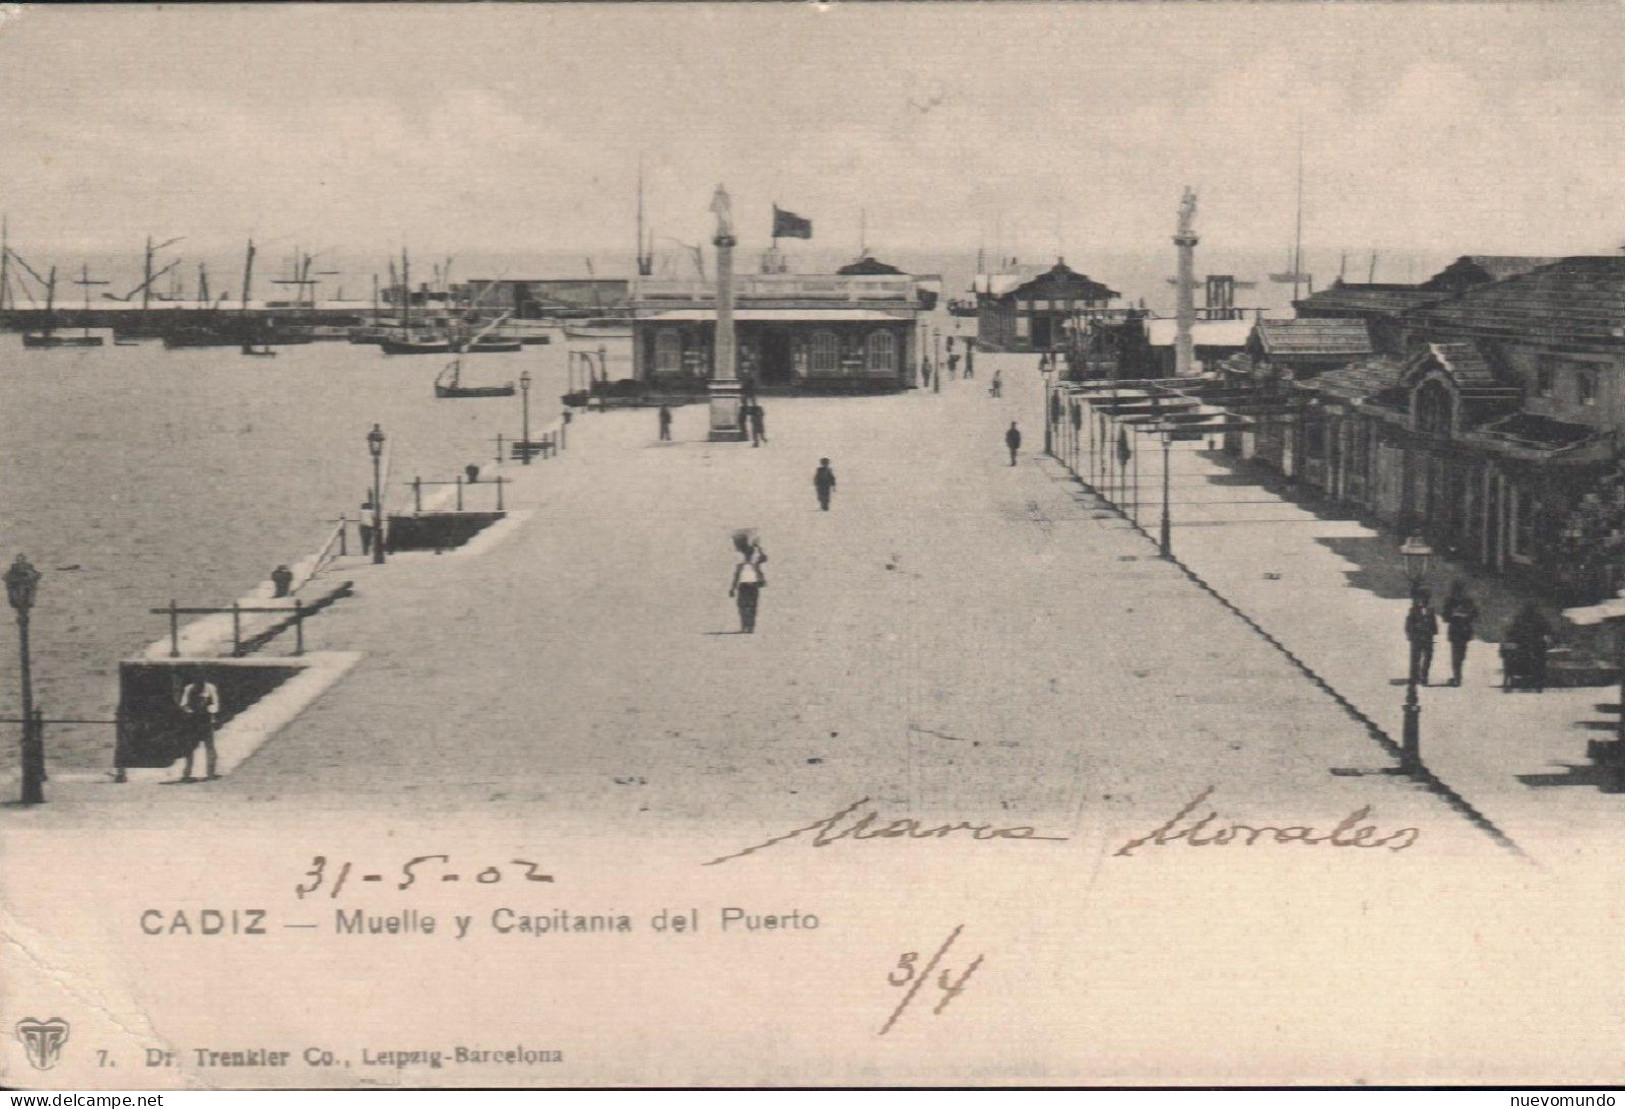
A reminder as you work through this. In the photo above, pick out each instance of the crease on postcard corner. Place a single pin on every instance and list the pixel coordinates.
(21, 944)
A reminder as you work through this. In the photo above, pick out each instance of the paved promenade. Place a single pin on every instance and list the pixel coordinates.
(956, 639)
(1335, 594)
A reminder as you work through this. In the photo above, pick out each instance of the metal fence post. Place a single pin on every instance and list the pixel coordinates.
(459, 492)
(236, 630)
(417, 494)
(298, 626)
(33, 768)
(344, 532)
(501, 481)
(499, 448)
(174, 629)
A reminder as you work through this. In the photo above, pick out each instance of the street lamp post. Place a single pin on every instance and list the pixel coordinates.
(524, 394)
(1165, 532)
(375, 444)
(1418, 556)
(22, 581)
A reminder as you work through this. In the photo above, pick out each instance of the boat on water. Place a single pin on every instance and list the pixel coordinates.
(603, 327)
(448, 383)
(261, 351)
(493, 344)
(419, 343)
(46, 338)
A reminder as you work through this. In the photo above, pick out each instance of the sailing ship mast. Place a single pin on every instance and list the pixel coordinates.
(646, 254)
(50, 303)
(86, 282)
(5, 264)
(1297, 238)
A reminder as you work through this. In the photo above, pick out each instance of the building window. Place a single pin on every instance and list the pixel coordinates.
(826, 352)
(882, 352)
(1543, 380)
(1586, 384)
(1023, 327)
(668, 352)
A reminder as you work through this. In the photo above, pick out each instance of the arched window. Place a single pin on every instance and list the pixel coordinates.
(826, 352)
(1434, 411)
(668, 351)
(882, 352)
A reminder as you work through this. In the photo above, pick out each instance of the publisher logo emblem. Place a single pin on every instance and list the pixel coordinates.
(43, 1039)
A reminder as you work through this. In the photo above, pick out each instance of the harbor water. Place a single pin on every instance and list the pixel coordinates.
(133, 475)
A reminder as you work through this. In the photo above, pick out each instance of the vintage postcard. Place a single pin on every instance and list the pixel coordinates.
(811, 545)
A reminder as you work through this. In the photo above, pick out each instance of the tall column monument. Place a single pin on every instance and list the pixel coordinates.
(1185, 315)
(726, 426)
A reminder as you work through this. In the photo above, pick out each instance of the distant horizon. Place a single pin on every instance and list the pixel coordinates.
(1042, 128)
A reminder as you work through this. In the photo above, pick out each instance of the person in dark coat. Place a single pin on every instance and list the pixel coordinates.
(1460, 613)
(824, 483)
(1524, 646)
(1421, 628)
(758, 425)
(282, 581)
(1012, 439)
(970, 359)
(665, 424)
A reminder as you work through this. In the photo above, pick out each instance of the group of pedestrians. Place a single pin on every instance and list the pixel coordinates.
(1524, 644)
(751, 416)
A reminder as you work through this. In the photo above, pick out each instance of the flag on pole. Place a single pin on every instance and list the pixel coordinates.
(788, 225)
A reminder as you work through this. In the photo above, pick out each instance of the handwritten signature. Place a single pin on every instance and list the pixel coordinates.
(1346, 834)
(906, 828)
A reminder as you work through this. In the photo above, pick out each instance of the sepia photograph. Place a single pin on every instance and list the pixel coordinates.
(811, 545)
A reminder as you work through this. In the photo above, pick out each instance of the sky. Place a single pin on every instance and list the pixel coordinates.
(1037, 128)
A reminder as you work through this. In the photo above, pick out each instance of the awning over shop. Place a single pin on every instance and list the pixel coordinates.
(778, 315)
(1525, 431)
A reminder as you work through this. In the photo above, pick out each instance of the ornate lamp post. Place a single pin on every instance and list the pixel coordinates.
(22, 582)
(375, 444)
(1165, 533)
(1418, 557)
(524, 393)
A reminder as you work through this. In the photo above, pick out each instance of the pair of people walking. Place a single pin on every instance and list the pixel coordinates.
(1422, 628)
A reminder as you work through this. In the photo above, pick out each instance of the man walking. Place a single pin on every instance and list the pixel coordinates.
(200, 703)
(824, 483)
(665, 424)
(748, 580)
(1421, 627)
(1459, 614)
(758, 425)
(1012, 439)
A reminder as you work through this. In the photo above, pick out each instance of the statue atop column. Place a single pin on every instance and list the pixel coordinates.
(1187, 213)
(723, 207)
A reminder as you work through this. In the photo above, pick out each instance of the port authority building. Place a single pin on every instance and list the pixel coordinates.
(795, 333)
(1486, 415)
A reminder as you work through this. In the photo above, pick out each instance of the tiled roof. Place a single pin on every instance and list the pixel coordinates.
(1539, 432)
(1573, 301)
(1299, 338)
(1502, 266)
(1375, 299)
(1357, 381)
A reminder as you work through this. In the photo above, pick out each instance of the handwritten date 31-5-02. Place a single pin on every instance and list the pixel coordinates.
(416, 871)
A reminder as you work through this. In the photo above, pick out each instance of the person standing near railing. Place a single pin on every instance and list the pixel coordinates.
(200, 702)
